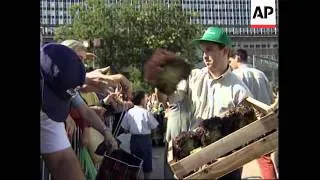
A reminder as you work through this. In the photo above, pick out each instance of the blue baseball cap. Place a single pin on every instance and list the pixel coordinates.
(62, 70)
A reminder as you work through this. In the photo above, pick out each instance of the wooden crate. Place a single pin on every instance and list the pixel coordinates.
(255, 131)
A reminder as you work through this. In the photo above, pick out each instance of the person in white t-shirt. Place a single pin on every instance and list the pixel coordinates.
(139, 122)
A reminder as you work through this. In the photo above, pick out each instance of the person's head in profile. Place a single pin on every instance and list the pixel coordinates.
(238, 57)
(139, 99)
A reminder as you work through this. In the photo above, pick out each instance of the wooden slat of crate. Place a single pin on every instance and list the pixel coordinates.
(170, 153)
(225, 145)
(239, 158)
(264, 108)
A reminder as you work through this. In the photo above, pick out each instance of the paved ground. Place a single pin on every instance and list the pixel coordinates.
(157, 156)
(249, 170)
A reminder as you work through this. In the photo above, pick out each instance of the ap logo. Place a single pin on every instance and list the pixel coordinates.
(263, 14)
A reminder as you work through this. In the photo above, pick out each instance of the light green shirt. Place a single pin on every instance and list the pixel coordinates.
(205, 96)
(210, 97)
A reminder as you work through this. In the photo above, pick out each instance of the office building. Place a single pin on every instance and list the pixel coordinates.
(232, 15)
(54, 13)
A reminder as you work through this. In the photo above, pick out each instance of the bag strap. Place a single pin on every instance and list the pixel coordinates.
(116, 131)
(41, 89)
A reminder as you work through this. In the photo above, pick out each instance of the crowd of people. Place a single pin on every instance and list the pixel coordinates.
(100, 100)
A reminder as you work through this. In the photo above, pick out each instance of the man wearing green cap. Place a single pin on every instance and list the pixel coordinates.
(214, 89)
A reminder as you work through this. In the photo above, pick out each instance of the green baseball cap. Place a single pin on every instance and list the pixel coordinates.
(215, 35)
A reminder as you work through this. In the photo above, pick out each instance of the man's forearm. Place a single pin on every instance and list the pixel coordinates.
(98, 82)
(89, 115)
(94, 120)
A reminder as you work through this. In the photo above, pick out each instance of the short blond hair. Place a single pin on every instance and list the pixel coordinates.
(75, 45)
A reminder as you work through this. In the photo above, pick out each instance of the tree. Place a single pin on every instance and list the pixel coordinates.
(132, 30)
(135, 78)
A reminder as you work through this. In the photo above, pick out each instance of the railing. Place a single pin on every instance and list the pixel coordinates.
(268, 66)
(75, 143)
(44, 173)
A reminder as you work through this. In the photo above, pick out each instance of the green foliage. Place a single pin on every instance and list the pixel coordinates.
(136, 78)
(132, 30)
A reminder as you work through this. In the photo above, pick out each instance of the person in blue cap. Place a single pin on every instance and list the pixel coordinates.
(61, 75)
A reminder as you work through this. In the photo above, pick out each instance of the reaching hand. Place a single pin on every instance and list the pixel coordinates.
(127, 105)
(99, 110)
(110, 98)
(70, 126)
(90, 55)
(125, 84)
(98, 81)
(109, 140)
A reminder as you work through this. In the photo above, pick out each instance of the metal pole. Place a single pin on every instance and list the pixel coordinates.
(253, 59)
(273, 76)
(43, 169)
(41, 36)
(94, 59)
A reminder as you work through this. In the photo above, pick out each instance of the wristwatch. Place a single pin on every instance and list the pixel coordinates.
(105, 130)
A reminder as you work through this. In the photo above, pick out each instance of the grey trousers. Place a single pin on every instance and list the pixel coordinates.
(168, 174)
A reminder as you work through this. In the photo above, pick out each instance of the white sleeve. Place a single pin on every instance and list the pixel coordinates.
(241, 93)
(153, 123)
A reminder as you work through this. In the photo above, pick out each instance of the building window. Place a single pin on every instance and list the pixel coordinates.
(263, 46)
(60, 21)
(275, 46)
(257, 45)
(251, 46)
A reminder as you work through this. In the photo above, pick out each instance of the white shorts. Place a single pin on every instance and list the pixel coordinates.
(53, 136)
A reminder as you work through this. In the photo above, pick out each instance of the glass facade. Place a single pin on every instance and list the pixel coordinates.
(54, 13)
(232, 15)
(226, 13)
